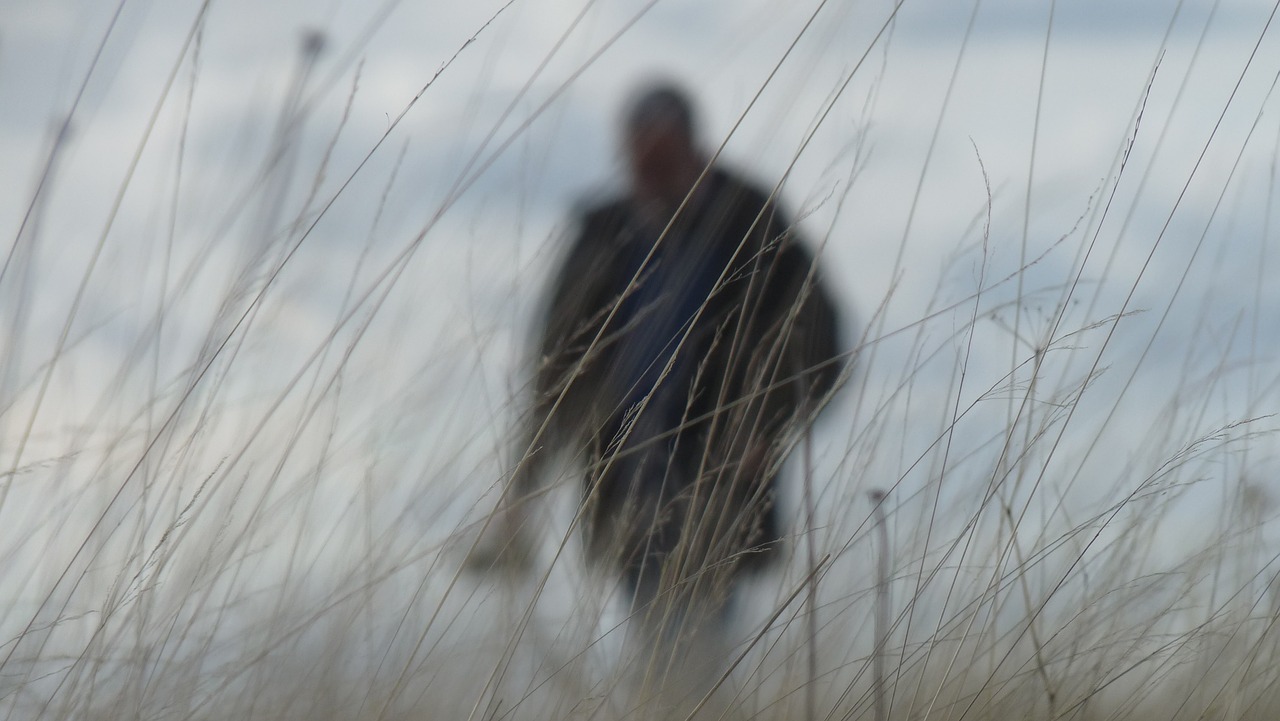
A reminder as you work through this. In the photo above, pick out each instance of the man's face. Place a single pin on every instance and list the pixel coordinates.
(660, 155)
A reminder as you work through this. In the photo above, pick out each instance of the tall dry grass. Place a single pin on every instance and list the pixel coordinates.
(263, 359)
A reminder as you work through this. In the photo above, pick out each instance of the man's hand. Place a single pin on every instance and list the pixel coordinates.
(507, 543)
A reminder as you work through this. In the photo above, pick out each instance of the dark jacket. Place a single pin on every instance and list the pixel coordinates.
(709, 342)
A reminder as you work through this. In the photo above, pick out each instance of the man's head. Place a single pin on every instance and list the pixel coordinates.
(661, 149)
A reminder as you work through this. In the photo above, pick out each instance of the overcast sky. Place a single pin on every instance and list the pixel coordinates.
(887, 133)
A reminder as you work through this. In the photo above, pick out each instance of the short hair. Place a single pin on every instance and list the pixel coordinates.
(660, 103)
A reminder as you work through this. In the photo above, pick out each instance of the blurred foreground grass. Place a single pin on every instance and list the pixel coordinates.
(260, 359)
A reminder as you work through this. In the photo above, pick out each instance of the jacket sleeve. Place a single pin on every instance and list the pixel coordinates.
(575, 305)
(795, 353)
(812, 348)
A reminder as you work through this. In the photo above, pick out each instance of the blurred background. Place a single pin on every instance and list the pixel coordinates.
(270, 271)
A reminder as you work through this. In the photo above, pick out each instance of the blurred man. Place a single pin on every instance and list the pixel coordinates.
(687, 340)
